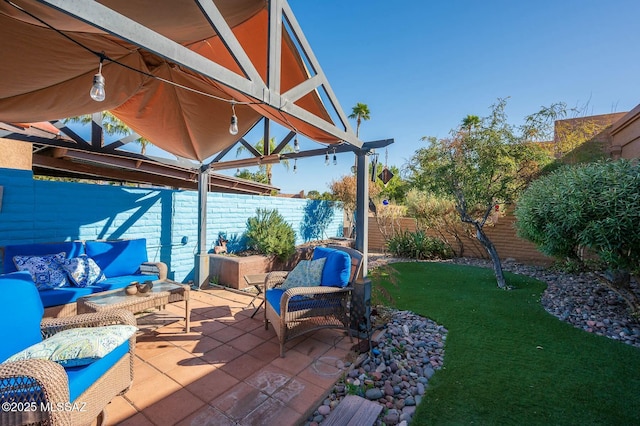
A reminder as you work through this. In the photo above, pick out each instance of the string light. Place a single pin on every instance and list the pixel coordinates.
(295, 165)
(296, 145)
(97, 92)
(233, 127)
(335, 157)
(326, 159)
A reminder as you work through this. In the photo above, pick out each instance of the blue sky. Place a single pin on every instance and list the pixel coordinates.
(421, 66)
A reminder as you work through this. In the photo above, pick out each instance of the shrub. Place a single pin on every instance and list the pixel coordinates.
(270, 234)
(418, 245)
(594, 207)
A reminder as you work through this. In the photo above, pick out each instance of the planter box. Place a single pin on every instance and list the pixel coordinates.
(230, 270)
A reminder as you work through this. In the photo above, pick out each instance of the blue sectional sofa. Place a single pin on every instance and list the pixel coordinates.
(121, 262)
(76, 379)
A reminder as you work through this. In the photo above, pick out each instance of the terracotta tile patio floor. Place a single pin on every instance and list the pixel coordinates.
(227, 370)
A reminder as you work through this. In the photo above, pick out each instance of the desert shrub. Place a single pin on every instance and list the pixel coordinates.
(269, 234)
(593, 208)
(418, 245)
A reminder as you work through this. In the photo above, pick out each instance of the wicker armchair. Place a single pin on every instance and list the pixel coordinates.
(28, 386)
(307, 309)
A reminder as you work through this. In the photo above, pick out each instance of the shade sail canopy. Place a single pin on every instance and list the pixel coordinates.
(51, 49)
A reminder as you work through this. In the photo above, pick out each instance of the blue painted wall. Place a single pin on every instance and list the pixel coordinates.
(47, 211)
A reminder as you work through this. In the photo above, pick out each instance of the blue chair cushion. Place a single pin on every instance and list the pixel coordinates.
(70, 248)
(337, 268)
(117, 258)
(80, 378)
(296, 303)
(20, 313)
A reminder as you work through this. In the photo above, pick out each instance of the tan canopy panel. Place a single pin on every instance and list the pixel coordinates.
(48, 59)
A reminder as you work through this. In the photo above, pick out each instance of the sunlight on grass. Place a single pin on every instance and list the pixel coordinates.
(507, 361)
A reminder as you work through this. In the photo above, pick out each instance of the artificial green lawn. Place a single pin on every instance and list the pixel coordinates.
(507, 361)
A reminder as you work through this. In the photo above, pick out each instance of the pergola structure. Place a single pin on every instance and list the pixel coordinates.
(178, 75)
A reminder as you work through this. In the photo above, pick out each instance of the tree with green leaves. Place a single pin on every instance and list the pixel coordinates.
(470, 122)
(480, 171)
(360, 112)
(112, 125)
(263, 169)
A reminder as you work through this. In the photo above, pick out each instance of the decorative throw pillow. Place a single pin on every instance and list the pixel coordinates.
(45, 270)
(83, 271)
(78, 346)
(307, 273)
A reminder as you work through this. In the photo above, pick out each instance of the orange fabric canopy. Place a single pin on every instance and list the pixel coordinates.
(47, 76)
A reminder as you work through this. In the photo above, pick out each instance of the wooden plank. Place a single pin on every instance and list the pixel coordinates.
(354, 410)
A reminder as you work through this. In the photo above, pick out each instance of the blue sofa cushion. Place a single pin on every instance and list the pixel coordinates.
(337, 268)
(64, 295)
(114, 283)
(70, 248)
(117, 258)
(80, 378)
(20, 313)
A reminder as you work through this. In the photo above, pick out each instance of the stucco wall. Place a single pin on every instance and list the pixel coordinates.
(48, 211)
(503, 235)
(15, 154)
(625, 141)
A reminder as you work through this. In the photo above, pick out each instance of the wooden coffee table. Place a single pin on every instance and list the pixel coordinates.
(163, 292)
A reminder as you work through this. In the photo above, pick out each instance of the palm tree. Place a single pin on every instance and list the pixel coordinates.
(259, 146)
(359, 112)
(470, 121)
(111, 125)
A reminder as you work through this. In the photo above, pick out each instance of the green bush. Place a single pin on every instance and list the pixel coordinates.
(269, 234)
(594, 206)
(418, 245)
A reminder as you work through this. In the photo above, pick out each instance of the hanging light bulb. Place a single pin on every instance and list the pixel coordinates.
(335, 158)
(295, 165)
(97, 92)
(326, 159)
(233, 127)
(296, 145)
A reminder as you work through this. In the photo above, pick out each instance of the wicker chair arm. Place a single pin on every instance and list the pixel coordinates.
(154, 268)
(51, 326)
(326, 292)
(32, 382)
(274, 279)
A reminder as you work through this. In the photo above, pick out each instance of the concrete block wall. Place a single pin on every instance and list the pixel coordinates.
(48, 211)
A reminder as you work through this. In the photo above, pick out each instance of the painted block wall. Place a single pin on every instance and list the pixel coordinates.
(48, 211)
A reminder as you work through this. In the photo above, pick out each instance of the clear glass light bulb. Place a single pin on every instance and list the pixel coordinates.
(296, 145)
(233, 127)
(335, 160)
(295, 167)
(326, 159)
(97, 92)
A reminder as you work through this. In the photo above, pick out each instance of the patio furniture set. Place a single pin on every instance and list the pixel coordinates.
(66, 367)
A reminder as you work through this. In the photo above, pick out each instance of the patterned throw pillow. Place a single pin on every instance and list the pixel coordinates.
(78, 346)
(45, 270)
(307, 273)
(83, 271)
